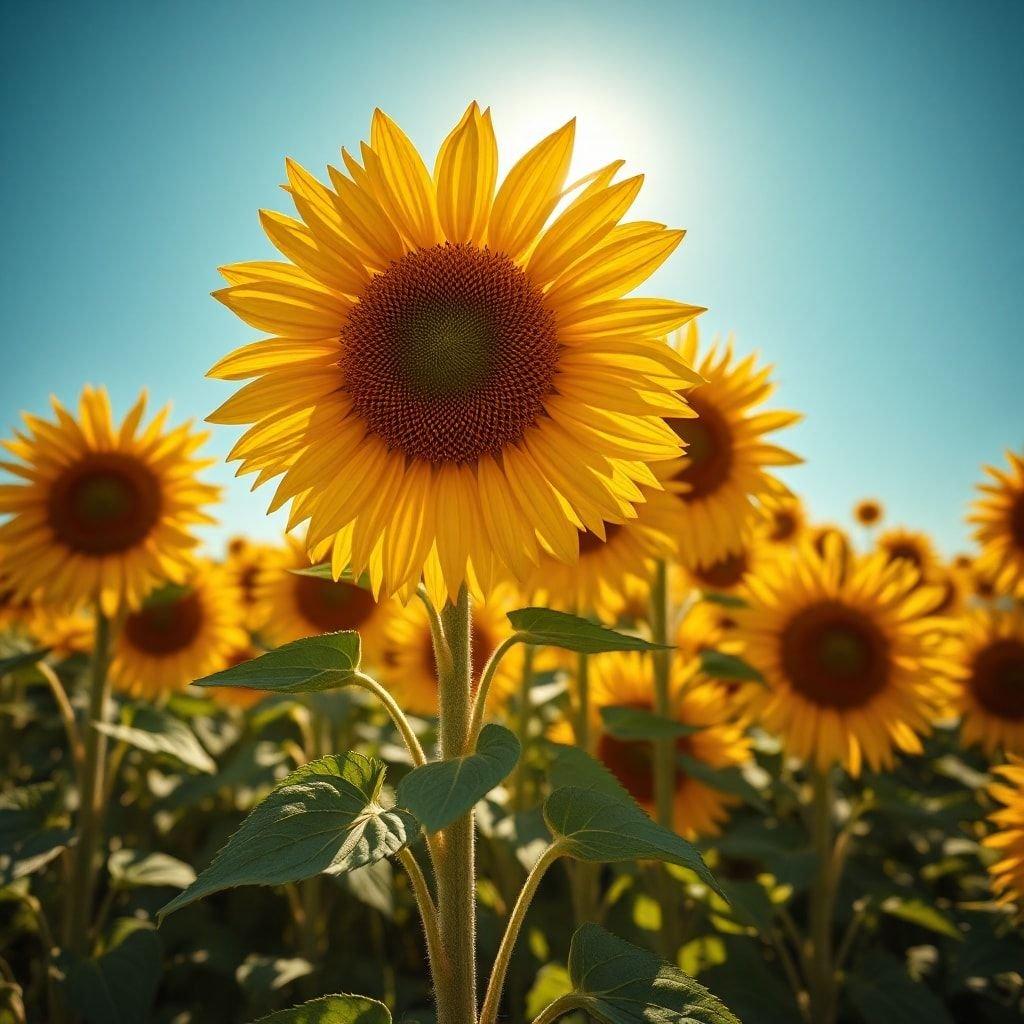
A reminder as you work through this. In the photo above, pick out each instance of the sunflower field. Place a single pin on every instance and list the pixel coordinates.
(552, 703)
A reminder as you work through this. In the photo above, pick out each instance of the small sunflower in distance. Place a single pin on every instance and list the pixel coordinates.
(1008, 838)
(724, 474)
(292, 605)
(912, 547)
(853, 669)
(626, 680)
(409, 668)
(245, 561)
(783, 521)
(456, 381)
(726, 575)
(180, 633)
(990, 661)
(998, 517)
(102, 512)
(868, 512)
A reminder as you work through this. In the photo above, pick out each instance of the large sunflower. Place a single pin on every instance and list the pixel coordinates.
(409, 669)
(724, 475)
(101, 512)
(456, 381)
(999, 519)
(1008, 839)
(180, 633)
(990, 660)
(626, 680)
(292, 605)
(852, 666)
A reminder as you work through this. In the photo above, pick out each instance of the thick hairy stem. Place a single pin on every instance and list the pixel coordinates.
(90, 796)
(664, 750)
(424, 903)
(822, 964)
(455, 975)
(489, 1013)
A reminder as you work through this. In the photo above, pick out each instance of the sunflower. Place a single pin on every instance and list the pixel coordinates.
(824, 535)
(180, 633)
(292, 605)
(999, 519)
(409, 669)
(243, 565)
(626, 680)
(15, 610)
(990, 661)
(243, 697)
(724, 475)
(612, 568)
(853, 669)
(1008, 839)
(456, 381)
(783, 520)
(868, 512)
(62, 633)
(727, 574)
(102, 512)
(911, 546)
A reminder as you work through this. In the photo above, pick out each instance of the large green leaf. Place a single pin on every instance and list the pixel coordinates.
(881, 990)
(132, 868)
(571, 766)
(725, 780)
(546, 627)
(32, 830)
(22, 659)
(158, 732)
(332, 1010)
(626, 723)
(324, 817)
(304, 666)
(441, 791)
(604, 828)
(618, 983)
(117, 987)
(720, 665)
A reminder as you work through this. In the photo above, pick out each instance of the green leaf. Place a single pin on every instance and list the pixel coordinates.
(324, 817)
(602, 828)
(618, 983)
(22, 660)
(725, 600)
(725, 780)
(132, 868)
(552, 982)
(441, 791)
(545, 627)
(157, 732)
(332, 1010)
(259, 976)
(924, 914)
(308, 665)
(881, 990)
(720, 665)
(32, 830)
(572, 766)
(626, 723)
(117, 987)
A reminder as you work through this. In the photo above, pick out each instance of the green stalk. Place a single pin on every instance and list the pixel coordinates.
(90, 796)
(822, 981)
(523, 730)
(455, 977)
(664, 750)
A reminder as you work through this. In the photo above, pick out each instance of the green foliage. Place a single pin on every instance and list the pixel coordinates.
(439, 792)
(628, 723)
(132, 868)
(324, 817)
(308, 665)
(332, 1010)
(728, 667)
(32, 830)
(157, 732)
(726, 780)
(546, 627)
(882, 990)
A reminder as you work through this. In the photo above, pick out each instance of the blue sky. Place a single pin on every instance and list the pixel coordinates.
(849, 177)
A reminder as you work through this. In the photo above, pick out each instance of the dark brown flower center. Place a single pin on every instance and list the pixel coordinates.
(868, 512)
(783, 525)
(450, 354)
(168, 622)
(1016, 520)
(105, 504)
(329, 606)
(725, 573)
(835, 656)
(590, 542)
(997, 678)
(907, 552)
(709, 449)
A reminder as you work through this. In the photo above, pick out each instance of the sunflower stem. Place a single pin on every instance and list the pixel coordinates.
(455, 971)
(664, 750)
(90, 796)
(822, 981)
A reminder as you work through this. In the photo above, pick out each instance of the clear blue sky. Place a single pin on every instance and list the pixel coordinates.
(850, 178)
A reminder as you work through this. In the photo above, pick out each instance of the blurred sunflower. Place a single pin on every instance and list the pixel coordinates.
(243, 564)
(1008, 839)
(990, 662)
(824, 535)
(852, 668)
(783, 520)
(292, 605)
(103, 512)
(911, 546)
(243, 697)
(868, 512)
(454, 384)
(626, 680)
(14, 609)
(180, 633)
(611, 569)
(409, 669)
(62, 633)
(724, 472)
(999, 519)
(726, 575)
